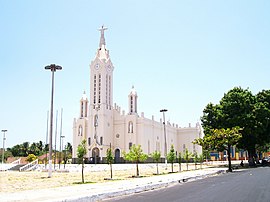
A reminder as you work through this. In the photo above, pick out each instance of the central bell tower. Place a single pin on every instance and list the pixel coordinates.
(101, 99)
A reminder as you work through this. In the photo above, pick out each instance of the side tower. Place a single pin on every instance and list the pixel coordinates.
(101, 99)
(132, 101)
(80, 125)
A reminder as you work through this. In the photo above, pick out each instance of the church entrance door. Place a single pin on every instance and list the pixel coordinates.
(117, 156)
(95, 155)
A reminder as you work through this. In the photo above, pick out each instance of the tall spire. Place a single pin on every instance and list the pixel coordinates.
(102, 38)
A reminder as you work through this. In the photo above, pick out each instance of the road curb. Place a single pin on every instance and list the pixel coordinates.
(140, 188)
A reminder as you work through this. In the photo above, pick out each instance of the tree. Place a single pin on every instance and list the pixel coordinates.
(69, 147)
(195, 155)
(222, 139)
(7, 154)
(110, 159)
(156, 157)
(201, 160)
(136, 155)
(33, 149)
(262, 114)
(81, 152)
(15, 150)
(187, 156)
(239, 107)
(180, 160)
(30, 158)
(171, 156)
(25, 148)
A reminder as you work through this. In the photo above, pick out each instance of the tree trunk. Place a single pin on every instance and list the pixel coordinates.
(229, 158)
(82, 172)
(157, 168)
(179, 167)
(111, 170)
(137, 166)
(251, 157)
(172, 167)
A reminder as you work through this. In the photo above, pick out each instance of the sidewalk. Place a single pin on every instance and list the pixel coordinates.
(99, 191)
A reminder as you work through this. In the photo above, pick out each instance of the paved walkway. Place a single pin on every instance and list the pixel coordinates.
(99, 191)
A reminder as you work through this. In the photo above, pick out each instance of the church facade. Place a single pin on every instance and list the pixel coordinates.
(104, 125)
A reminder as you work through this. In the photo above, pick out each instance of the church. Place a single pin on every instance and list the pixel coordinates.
(104, 125)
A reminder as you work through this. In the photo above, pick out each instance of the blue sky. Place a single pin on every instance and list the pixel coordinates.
(179, 55)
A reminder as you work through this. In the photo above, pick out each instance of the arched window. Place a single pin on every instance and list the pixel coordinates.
(81, 109)
(130, 127)
(101, 140)
(80, 130)
(96, 120)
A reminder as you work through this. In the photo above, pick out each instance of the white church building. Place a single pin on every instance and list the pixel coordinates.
(103, 124)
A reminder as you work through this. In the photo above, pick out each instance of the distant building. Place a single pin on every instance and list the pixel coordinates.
(103, 124)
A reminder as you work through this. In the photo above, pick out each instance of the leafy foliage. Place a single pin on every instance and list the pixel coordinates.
(81, 152)
(171, 156)
(222, 139)
(156, 157)
(200, 158)
(135, 155)
(196, 159)
(239, 107)
(187, 156)
(110, 158)
(31, 157)
(180, 160)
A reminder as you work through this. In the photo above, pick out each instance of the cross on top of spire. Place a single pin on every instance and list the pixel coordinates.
(102, 38)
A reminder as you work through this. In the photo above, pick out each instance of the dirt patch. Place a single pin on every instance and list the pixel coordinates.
(14, 181)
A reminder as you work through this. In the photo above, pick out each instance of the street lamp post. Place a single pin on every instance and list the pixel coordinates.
(165, 141)
(53, 69)
(3, 151)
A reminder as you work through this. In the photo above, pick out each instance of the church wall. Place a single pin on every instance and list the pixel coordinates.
(119, 133)
(79, 135)
(150, 133)
(185, 138)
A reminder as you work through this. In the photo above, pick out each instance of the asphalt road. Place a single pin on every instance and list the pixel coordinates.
(247, 185)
